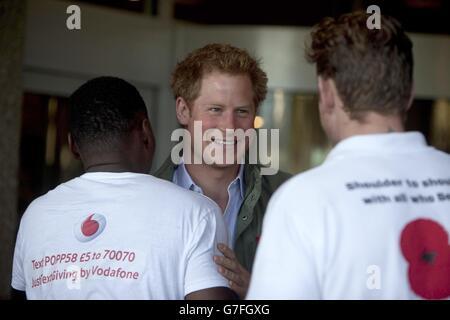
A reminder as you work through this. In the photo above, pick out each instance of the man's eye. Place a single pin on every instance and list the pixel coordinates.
(242, 111)
(214, 109)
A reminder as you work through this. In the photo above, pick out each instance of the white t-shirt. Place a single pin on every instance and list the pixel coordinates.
(118, 236)
(372, 222)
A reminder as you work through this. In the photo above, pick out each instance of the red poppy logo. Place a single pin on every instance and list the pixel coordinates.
(89, 228)
(424, 244)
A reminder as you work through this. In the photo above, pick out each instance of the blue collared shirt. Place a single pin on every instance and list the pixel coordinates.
(236, 190)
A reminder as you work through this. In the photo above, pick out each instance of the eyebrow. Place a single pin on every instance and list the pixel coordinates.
(222, 106)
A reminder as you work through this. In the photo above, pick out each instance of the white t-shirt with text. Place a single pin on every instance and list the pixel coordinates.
(118, 236)
(372, 222)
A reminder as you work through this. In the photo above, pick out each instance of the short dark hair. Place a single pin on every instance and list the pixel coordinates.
(372, 68)
(103, 111)
(188, 74)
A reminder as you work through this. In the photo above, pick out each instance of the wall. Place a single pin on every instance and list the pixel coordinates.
(144, 50)
(110, 42)
(12, 21)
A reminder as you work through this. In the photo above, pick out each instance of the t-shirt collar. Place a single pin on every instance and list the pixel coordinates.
(379, 143)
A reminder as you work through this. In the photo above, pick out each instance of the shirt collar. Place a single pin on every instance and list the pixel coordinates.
(183, 179)
(379, 143)
(240, 177)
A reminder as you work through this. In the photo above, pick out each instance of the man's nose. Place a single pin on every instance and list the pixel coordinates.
(228, 121)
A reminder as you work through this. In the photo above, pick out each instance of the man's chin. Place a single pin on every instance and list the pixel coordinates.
(221, 163)
(224, 165)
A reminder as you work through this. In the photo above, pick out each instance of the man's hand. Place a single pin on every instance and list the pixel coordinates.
(233, 271)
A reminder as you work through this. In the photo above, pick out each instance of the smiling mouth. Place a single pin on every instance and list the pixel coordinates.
(224, 142)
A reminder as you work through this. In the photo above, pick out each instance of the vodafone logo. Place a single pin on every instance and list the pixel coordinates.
(89, 228)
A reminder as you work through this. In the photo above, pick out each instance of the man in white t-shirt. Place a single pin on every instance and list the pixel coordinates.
(372, 222)
(111, 233)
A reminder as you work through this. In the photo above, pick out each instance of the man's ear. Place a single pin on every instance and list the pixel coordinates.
(410, 101)
(149, 144)
(183, 111)
(73, 147)
(149, 138)
(326, 94)
(411, 97)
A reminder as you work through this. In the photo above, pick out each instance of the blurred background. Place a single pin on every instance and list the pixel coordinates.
(42, 62)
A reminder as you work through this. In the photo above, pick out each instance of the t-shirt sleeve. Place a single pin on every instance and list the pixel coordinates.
(221, 231)
(284, 266)
(18, 276)
(201, 271)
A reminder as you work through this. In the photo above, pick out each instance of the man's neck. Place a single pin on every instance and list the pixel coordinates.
(107, 162)
(214, 181)
(373, 123)
(107, 167)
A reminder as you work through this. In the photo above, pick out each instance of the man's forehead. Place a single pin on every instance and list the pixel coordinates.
(216, 84)
(222, 73)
